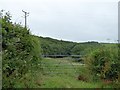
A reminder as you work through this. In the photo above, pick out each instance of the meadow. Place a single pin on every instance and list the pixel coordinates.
(60, 73)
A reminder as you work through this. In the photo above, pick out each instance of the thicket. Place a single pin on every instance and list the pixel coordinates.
(20, 51)
(103, 63)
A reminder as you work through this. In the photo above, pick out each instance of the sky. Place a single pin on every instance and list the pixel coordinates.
(70, 20)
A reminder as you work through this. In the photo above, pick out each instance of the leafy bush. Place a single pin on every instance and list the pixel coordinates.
(104, 63)
(20, 51)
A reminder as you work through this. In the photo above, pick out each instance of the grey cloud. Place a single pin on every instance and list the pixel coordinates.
(69, 20)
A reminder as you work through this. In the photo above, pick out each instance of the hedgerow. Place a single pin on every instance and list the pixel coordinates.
(104, 63)
(20, 51)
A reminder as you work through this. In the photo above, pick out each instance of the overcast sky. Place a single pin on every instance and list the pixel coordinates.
(73, 20)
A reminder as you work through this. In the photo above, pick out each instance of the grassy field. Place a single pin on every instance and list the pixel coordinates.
(59, 73)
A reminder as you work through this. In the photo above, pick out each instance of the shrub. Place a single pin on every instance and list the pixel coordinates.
(103, 63)
(20, 51)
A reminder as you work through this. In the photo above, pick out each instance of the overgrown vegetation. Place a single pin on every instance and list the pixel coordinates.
(20, 51)
(23, 67)
(104, 64)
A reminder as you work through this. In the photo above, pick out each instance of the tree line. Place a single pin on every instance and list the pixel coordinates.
(59, 47)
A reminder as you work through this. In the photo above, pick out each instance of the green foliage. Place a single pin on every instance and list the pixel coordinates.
(58, 47)
(20, 51)
(84, 48)
(104, 63)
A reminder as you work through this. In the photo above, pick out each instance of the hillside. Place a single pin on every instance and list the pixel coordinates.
(59, 47)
